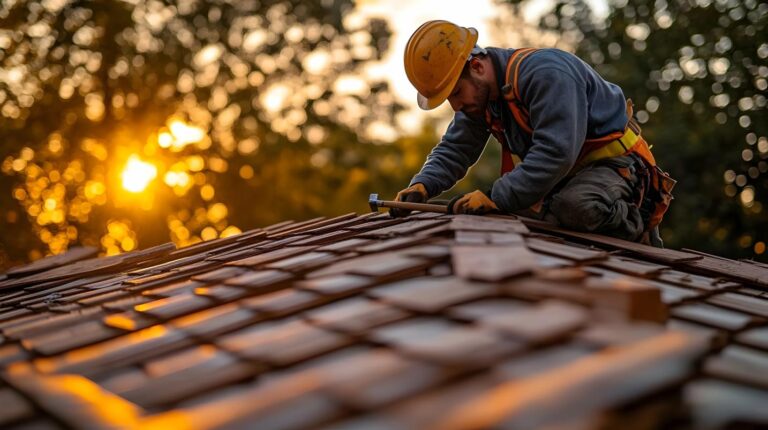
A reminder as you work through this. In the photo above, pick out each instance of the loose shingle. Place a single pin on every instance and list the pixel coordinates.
(738, 270)
(491, 264)
(345, 245)
(211, 323)
(72, 337)
(539, 324)
(171, 307)
(336, 284)
(369, 379)
(319, 226)
(403, 229)
(539, 361)
(695, 281)
(128, 321)
(15, 407)
(486, 308)
(271, 404)
(714, 316)
(222, 293)
(488, 238)
(190, 375)
(283, 344)
(262, 280)
(94, 266)
(303, 262)
(390, 244)
(581, 255)
(12, 353)
(355, 316)
(284, 303)
(720, 404)
(757, 338)
(613, 333)
(268, 257)
(740, 364)
(430, 294)
(740, 302)
(72, 255)
(446, 343)
(632, 267)
(219, 275)
(50, 322)
(488, 224)
(119, 352)
(378, 266)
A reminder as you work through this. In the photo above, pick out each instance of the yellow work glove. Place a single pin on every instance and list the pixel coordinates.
(474, 203)
(416, 193)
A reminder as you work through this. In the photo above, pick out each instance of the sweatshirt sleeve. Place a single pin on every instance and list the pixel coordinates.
(449, 160)
(557, 103)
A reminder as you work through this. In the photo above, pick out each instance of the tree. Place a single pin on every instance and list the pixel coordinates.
(127, 124)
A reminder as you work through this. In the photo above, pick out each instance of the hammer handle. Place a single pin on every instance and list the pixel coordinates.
(424, 207)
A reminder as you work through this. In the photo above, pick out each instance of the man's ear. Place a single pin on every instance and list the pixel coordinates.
(476, 65)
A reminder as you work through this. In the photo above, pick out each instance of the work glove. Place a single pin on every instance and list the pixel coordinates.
(474, 203)
(416, 193)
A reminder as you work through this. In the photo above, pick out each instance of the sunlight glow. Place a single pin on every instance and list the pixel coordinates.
(184, 134)
(137, 174)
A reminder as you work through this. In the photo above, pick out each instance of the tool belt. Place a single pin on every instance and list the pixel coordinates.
(654, 190)
(652, 186)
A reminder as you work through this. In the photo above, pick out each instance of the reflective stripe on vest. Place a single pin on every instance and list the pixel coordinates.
(629, 142)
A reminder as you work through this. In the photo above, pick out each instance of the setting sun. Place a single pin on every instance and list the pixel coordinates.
(137, 174)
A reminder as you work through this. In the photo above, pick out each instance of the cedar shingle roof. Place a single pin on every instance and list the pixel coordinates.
(432, 321)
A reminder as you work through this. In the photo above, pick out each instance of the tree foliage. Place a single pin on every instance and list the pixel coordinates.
(220, 116)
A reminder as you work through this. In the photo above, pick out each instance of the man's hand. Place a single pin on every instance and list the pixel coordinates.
(416, 193)
(474, 203)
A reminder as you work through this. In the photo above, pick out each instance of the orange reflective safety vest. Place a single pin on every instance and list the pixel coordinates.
(654, 195)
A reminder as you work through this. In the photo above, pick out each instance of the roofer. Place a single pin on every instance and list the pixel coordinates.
(571, 152)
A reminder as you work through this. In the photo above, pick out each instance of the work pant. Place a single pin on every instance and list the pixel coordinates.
(598, 199)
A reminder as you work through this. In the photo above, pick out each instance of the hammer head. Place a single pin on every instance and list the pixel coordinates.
(373, 202)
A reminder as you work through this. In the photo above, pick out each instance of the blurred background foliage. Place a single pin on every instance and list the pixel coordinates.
(126, 124)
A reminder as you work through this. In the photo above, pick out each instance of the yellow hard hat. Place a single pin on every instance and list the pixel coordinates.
(434, 58)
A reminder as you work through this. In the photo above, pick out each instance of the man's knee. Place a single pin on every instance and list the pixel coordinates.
(579, 210)
(591, 210)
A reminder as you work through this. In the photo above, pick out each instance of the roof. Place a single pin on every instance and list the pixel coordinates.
(431, 321)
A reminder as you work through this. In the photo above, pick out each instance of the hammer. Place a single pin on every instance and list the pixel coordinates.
(375, 203)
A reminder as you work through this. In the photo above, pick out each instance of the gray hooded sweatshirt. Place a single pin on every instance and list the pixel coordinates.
(568, 102)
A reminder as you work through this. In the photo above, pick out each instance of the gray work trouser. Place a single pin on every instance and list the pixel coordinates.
(598, 199)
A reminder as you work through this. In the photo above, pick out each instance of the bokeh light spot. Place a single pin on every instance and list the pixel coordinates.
(137, 174)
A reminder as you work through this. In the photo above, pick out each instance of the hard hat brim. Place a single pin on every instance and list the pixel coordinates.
(429, 103)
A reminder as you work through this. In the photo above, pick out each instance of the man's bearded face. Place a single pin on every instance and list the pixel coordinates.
(470, 96)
